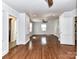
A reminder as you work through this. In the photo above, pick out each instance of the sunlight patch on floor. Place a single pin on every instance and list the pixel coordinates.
(30, 45)
(43, 40)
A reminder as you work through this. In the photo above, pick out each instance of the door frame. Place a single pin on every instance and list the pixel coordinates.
(14, 19)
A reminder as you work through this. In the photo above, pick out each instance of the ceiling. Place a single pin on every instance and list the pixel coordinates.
(39, 8)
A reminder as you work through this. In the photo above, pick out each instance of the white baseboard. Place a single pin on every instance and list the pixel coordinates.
(24, 42)
(4, 53)
(27, 41)
(67, 43)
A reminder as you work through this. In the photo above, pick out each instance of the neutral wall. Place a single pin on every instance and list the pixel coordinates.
(22, 29)
(5, 34)
(67, 30)
(6, 12)
(52, 27)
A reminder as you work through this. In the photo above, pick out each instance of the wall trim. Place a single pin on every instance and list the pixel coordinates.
(4, 53)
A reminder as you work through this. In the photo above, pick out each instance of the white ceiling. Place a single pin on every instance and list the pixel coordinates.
(40, 8)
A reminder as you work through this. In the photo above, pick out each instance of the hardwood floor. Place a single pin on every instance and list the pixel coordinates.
(51, 50)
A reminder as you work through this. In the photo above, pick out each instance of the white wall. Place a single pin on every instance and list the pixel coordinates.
(23, 29)
(66, 22)
(52, 27)
(6, 12)
(5, 34)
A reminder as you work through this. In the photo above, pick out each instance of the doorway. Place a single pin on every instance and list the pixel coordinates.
(75, 30)
(12, 32)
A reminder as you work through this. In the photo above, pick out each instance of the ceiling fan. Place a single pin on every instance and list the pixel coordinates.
(44, 21)
(50, 2)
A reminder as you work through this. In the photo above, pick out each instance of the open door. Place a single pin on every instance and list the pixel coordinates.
(12, 32)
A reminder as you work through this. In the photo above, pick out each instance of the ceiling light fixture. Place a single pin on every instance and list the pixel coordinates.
(50, 2)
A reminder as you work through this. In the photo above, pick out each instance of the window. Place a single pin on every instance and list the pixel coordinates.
(30, 27)
(43, 27)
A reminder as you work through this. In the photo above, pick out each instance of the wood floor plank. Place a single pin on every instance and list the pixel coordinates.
(51, 50)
